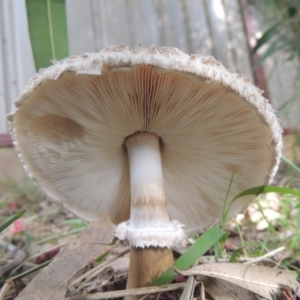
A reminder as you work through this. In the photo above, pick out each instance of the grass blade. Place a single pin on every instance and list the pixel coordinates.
(186, 260)
(270, 33)
(267, 189)
(225, 208)
(32, 270)
(268, 53)
(290, 163)
(264, 189)
(47, 24)
(11, 219)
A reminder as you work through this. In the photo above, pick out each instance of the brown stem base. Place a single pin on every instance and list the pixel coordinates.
(146, 264)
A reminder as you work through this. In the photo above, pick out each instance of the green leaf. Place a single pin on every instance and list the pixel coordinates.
(47, 24)
(76, 223)
(11, 219)
(292, 12)
(270, 51)
(103, 256)
(28, 238)
(218, 250)
(267, 189)
(186, 260)
(270, 33)
(235, 255)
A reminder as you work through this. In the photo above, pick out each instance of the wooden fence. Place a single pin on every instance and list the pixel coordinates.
(213, 27)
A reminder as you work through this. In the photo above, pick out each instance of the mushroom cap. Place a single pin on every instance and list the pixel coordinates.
(218, 134)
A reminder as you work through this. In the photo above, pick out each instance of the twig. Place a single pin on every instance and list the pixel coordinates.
(202, 291)
(244, 260)
(131, 292)
(188, 291)
(271, 253)
(6, 287)
(190, 286)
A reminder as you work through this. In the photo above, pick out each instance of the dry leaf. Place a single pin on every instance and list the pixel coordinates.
(50, 283)
(188, 291)
(237, 291)
(131, 292)
(263, 281)
(215, 291)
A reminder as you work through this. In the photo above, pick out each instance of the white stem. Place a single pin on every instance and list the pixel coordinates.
(149, 223)
(148, 202)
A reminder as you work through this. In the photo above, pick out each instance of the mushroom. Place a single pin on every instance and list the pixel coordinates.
(153, 137)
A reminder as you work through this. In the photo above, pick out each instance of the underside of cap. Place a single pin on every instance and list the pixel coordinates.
(216, 131)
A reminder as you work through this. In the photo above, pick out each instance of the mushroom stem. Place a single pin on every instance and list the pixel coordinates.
(149, 223)
(149, 229)
(145, 264)
(148, 202)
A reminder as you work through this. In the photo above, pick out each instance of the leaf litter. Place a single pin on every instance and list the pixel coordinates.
(74, 274)
(51, 282)
(261, 280)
